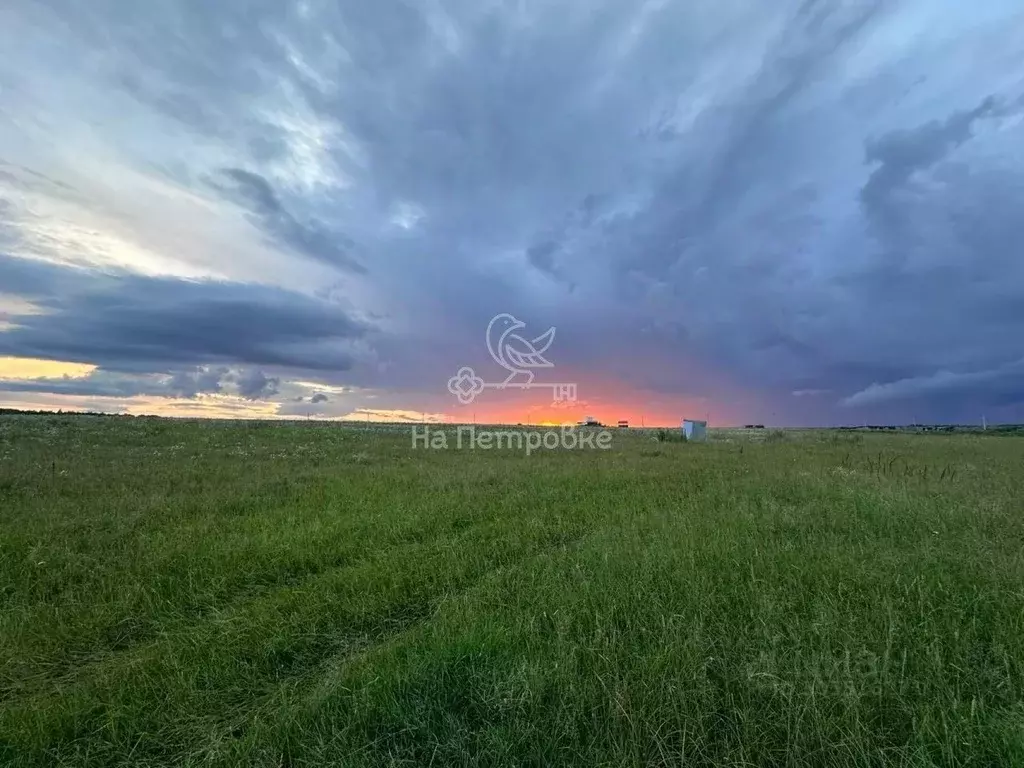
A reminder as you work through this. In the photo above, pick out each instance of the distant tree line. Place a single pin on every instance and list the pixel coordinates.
(996, 429)
(21, 412)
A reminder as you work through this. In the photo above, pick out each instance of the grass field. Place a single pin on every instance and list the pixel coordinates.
(312, 594)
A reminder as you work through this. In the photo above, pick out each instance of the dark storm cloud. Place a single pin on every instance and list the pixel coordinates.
(127, 321)
(999, 386)
(319, 397)
(804, 195)
(899, 154)
(312, 239)
(542, 254)
(199, 381)
(255, 385)
(100, 383)
(37, 279)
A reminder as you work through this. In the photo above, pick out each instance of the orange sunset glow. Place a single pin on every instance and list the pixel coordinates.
(606, 401)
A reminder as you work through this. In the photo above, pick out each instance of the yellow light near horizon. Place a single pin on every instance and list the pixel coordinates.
(207, 406)
(31, 368)
(393, 416)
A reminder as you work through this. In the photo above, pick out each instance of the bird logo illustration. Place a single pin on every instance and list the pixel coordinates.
(515, 353)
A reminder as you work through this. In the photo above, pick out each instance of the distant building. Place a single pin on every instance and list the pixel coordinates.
(695, 431)
(623, 424)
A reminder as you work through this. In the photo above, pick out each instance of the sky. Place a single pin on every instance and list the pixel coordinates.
(802, 212)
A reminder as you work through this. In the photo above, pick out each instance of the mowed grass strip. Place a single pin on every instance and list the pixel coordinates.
(214, 593)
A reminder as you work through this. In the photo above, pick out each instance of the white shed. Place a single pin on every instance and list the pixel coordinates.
(695, 431)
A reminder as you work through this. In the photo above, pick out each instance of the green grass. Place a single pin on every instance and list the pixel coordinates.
(307, 595)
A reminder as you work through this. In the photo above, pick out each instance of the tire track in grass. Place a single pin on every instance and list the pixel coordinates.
(220, 667)
(129, 633)
(322, 678)
(80, 665)
(299, 708)
(373, 710)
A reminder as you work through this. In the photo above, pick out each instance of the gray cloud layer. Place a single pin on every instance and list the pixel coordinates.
(130, 322)
(256, 193)
(250, 384)
(706, 198)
